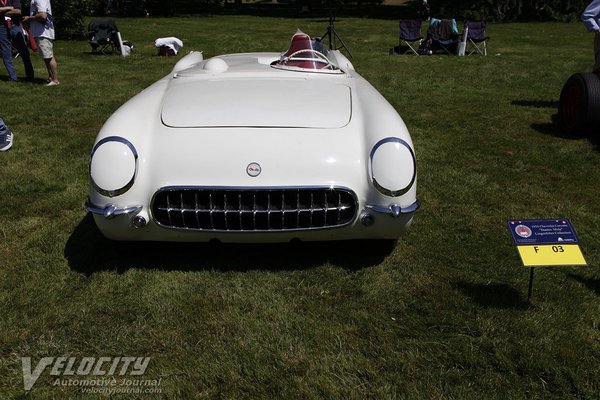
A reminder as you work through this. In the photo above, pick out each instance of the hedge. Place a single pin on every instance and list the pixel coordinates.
(510, 10)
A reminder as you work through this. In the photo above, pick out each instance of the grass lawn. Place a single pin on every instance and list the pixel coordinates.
(441, 315)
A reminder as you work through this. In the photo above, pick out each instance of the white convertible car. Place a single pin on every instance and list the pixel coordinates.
(255, 147)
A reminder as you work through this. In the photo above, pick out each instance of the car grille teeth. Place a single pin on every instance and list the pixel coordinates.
(253, 209)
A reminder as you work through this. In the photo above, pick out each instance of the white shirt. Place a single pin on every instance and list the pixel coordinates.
(42, 29)
(171, 42)
(591, 16)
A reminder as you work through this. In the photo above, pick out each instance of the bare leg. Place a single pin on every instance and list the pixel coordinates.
(52, 69)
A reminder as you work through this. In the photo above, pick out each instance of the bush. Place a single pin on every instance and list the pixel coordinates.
(174, 7)
(510, 10)
(68, 16)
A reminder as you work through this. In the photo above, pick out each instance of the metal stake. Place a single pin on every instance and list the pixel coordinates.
(530, 284)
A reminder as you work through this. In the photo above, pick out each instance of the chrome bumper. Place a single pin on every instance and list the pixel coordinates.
(110, 210)
(394, 210)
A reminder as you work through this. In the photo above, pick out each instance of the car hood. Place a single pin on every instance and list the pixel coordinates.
(256, 102)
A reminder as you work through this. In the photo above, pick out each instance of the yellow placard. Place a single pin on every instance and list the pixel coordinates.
(547, 255)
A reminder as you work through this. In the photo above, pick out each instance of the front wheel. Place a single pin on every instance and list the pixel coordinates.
(579, 106)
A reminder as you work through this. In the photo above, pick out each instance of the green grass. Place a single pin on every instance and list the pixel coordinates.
(441, 315)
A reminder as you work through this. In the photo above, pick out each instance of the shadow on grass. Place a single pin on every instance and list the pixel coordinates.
(553, 128)
(23, 80)
(549, 128)
(536, 103)
(87, 251)
(109, 54)
(591, 283)
(493, 296)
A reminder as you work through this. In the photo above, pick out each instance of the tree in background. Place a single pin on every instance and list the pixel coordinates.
(510, 10)
(68, 16)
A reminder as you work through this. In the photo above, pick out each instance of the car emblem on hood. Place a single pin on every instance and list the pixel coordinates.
(253, 169)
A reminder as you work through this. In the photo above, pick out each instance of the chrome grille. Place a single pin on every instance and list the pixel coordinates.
(271, 209)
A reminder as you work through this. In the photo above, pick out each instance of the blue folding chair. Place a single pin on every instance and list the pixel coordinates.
(444, 34)
(410, 34)
(476, 39)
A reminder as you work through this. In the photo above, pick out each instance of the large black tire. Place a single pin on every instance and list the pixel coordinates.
(579, 106)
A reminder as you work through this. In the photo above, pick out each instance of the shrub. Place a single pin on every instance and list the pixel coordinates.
(68, 16)
(511, 10)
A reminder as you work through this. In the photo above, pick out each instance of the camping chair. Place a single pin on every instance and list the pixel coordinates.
(410, 33)
(476, 39)
(103, 36)
(444, 34)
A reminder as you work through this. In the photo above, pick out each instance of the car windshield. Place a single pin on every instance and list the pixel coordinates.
(305, 54)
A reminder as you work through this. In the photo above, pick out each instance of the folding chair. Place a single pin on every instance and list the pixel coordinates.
(476, 39)
(444, 34)
(102, 36)
(410, 33)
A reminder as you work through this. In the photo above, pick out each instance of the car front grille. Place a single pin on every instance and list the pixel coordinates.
(241, 210)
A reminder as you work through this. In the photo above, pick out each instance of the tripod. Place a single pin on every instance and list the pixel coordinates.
(332, 35)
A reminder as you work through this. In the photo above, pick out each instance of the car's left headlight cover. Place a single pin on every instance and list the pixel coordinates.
(113, 166)
(393, 166)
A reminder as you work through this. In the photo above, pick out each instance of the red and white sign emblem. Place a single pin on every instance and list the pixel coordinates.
(253, 169)
(523, 231)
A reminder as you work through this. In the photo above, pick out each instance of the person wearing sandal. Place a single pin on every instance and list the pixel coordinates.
(42, 28)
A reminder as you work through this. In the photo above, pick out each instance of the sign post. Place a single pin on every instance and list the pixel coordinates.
(545, 243)
(531, 270)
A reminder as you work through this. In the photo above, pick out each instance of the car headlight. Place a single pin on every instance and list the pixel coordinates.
(393, 166)
(113, 166)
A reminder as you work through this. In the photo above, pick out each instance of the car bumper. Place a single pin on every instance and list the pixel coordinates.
(133, 223)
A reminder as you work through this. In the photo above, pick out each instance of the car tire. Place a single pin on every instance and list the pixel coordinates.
(579, 104)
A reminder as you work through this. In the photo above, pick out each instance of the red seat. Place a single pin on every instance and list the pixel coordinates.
(301, 53)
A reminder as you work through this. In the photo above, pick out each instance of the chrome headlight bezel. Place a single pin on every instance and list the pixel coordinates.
(129, 184)
(393, 192)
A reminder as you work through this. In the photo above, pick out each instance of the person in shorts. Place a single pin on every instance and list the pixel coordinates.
(42, 29)
(591, 20)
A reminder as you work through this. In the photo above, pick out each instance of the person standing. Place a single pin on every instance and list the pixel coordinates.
(591, 20)
(424, 12)
(5, 47)
(42, 29)
(17, 35)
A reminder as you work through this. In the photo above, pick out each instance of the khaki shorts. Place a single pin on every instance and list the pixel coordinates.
(45, 46)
